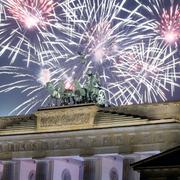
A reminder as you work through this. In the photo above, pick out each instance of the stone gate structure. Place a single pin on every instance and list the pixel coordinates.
(86, 137)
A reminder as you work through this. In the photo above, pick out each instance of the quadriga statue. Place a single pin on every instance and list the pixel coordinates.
(90, 92)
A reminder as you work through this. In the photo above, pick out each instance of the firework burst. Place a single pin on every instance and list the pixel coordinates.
(104, 32)
(165, 24)
(29, 26)
(170, 25)
(145, 74)
(64, 41)
(33, 84)
(31, 13)
(105, 28)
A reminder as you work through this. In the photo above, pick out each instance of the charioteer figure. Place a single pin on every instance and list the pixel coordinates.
(75, 93)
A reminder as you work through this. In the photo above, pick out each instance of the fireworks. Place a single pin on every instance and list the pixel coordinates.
(165, 24)
(44, 76)
(132, 49)
(26, 81)
(18, 18)
(31, 13)
(104, 32)
(29, 26)
(32, 84)
(103, 36)
(146, 74)
(97, 42)
(170, 25)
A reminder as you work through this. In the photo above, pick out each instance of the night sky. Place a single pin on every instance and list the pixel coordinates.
(15, 97)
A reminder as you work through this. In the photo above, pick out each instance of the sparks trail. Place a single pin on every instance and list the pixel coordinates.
(106, 41)
(30, 26)
(104, 33)
(33, 85)
(146, 74)
(164, 23)
(100, 43)
(170, 25)
(31, 13)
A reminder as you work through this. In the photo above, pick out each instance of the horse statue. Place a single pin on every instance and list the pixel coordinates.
(94, 91)
(91, 92)
(54, 93)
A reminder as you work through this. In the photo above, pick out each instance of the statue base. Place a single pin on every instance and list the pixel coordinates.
(67, 117)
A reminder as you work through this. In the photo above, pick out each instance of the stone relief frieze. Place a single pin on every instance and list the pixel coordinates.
(65, 119)
(92, 141)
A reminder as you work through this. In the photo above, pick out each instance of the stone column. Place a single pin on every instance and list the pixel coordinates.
(109, 167)
(9, 170)
(128, 172)
(89, 168)
(25, 168)
(43, 170)
(1, 170)
(66, 168)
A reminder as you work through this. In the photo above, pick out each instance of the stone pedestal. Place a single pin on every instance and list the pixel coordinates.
(66, 118)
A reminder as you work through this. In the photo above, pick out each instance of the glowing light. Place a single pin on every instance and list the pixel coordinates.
(99, 54)
(69, 85)
(31, 22)
(44, 76)
(171, 37)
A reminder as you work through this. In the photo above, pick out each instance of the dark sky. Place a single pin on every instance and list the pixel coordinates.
(10, 100)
